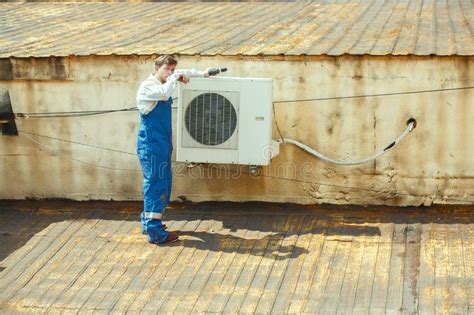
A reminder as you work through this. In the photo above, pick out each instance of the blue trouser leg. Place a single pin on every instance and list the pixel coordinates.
(144, 223)
(153, 228)
(170, 179)
(156, 169)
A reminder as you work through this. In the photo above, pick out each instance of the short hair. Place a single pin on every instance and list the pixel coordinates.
(165, 60)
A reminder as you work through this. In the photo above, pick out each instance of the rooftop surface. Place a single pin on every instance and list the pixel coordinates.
(411, 27)
(253, 257)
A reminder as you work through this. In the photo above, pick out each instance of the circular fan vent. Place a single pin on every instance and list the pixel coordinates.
(210, 119)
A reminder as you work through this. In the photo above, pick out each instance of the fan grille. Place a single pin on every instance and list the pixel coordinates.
(210, 119)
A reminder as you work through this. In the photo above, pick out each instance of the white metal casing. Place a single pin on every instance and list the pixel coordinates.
(250, 142)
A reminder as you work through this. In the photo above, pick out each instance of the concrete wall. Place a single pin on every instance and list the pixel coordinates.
(434, 164)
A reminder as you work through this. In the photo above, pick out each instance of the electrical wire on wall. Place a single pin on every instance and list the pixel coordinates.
(59, 154)
(133, 109)
(73, 113)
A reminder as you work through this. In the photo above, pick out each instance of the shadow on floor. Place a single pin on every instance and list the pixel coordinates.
(21, 220)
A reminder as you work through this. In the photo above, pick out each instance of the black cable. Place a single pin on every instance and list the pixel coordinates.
(73, 113)
(99, 112)
(62, 155)
(373, 95)
(77, 113)
(75, 142)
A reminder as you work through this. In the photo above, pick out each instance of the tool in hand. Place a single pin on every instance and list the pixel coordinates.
(214, 71)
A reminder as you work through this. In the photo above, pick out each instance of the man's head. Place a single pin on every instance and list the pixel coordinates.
(164, 67)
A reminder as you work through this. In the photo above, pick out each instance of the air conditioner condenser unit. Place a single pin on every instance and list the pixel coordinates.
(226, 120)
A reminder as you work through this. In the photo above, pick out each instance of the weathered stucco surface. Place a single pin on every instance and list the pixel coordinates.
(434, 164)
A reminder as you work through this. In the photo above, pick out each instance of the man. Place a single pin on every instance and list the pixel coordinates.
(154, 145)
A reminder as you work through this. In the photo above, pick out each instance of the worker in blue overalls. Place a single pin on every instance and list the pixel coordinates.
(154, 145)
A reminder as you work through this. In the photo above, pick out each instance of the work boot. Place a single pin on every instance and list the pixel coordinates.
(172, 237)
(163, 226)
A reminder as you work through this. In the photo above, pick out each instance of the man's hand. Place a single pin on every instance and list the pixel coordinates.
(206, 72)
(183, 79)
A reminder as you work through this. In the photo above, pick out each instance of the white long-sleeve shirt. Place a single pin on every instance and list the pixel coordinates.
(152, 90)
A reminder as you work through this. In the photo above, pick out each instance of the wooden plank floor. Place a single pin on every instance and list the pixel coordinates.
(71, 257)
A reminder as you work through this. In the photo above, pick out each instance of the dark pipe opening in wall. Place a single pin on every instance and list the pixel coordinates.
(412, 120)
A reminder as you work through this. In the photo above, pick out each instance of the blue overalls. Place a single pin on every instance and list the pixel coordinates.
(154, 148)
